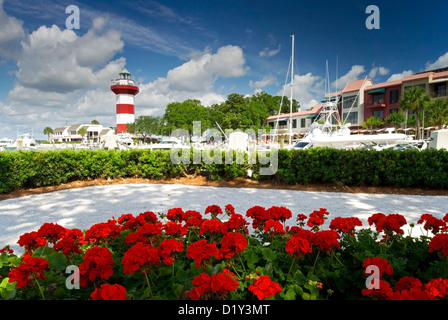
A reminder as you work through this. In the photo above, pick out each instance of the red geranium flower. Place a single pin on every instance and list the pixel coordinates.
(139, 257)
(407, 283)
(432, 223)
(175, 229)
(147, 233)
(390, 223)
(273, 227)
(97, 264)
(51, 232)
(263, 287)
(279, 213)
(30, 269)
(384, 291)
(212, 226)
(193, 219)
(258, 215)
(232, 243)
(175, 215)
(326, 240)
(236, 223)
(201, 251)
(31, 241)
(297, 246)
(70, 243)
(317, 218)
(439, 243)
(382, 264)
(215, 286)
(109, 292)
(438, 288)
(167, 247)
(128, 222)
(229, 209)
(345, 225)
(214, 210)
(102, 232)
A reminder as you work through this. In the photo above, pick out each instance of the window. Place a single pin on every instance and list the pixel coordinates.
(352, 117)
(349, 101)
(378, 99)
(379, 114)
(393, 98)
(440, 90)
(294, 123)
(303, 123)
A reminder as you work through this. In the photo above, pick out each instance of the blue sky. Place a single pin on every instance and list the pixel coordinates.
(199, 49)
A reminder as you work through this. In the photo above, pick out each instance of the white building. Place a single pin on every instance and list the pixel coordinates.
(71, 133)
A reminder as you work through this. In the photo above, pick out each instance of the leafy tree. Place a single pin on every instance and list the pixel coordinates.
(437, 112)
(396, 119)
(416, 99)
(95, 122)
(48, 131)
(180, 115)
(372, 123)
(82, 131)
(146, 126)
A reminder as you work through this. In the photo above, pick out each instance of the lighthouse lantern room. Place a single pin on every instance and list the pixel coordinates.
(126, 90)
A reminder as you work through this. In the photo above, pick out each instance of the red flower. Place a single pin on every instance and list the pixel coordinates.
(433, 224)
(382, 264)
(298, 246)
(147, 217)
(193, 219)
(128, 222)
(166, 249)
(147, 233)
(201, 251)
(217, 285)
(212, 226)
(301, 219)
(175, 215)
(345, 225)
(102, 232)
(30, 269)
(317, 218)
(273, 227)
(229, 209)
(263, 287)
(70, 243)
(236, 223)
(437, 288)
(97, 264)
(214, 210)
(390, 223)
(109, 292)
(326, 240)
(51, 232)
(232, 243)
(279, 213)
(31, 241)
(407, 283)
(175, 229)
(258, 215)
(384, 291)
(139, 257)
(439, 243)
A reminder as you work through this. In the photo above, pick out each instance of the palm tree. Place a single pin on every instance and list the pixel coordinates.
(48, 131)
(416, 99)
(437, 113)
(82, 131)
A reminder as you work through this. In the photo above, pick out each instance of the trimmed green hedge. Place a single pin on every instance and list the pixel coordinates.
(410, 168)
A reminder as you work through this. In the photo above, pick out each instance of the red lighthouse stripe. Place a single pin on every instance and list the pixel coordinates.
(125, 108)
(123, 89)
(121, 128)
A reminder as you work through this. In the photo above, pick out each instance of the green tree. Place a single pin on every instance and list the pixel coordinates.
(180, 115)
(48, 131)
(437, 112)
(396, 119)
(95, 122)
(416, 99)
(82, 131)
(372, 123)
(146, 126)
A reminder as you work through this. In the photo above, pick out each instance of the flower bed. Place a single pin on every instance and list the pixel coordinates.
(189, 255)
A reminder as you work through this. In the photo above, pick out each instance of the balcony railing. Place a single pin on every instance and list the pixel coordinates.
(376, 103)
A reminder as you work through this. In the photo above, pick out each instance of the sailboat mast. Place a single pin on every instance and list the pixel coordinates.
(292, 90)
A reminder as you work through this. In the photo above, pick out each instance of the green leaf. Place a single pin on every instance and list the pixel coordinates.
(251, 257)
(7, 289)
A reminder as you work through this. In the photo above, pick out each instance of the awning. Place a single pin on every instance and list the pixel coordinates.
(377, 91)
(312, 116)
(282, 119)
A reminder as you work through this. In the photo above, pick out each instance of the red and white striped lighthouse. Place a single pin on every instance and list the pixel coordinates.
(126, 90)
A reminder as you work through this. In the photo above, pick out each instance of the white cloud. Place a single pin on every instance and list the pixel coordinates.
(267, 52)
(399, 76)
(11, 33)
(354, 74)
(266, 81)
(307, 90)
(381, 70)
(442, 62)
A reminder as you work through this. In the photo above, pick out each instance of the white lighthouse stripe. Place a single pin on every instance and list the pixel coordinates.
(125, 118)
(125, 99)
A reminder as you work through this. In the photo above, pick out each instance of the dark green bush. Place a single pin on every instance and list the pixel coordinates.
(411, 168)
